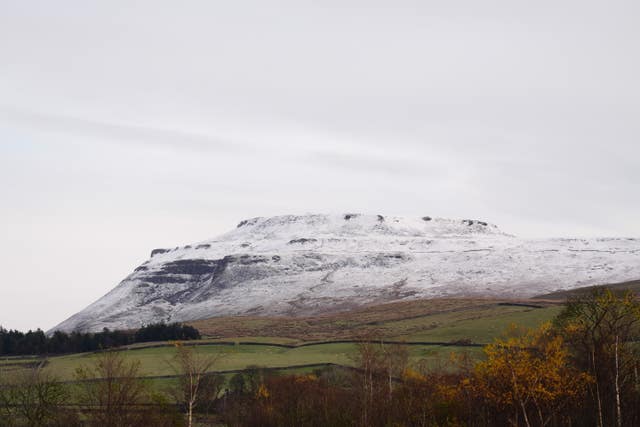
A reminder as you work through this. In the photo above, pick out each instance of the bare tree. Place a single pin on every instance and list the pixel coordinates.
(110, 390)
(379, 365)
(196, 386)
(395, 359)
(32, 397)
(601, 328)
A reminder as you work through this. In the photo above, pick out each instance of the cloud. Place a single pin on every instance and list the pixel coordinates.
(116, 132)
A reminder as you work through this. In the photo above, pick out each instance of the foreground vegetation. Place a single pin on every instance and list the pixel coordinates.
(442, 364)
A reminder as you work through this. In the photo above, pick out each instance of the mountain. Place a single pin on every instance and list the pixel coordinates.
(302, 265)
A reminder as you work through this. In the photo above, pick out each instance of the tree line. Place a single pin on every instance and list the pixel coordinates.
(582, 369)
(14, 343)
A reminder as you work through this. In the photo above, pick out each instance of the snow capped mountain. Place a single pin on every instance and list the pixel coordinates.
(299, 265)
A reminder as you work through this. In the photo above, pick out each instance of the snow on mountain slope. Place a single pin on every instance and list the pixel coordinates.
(290, 265)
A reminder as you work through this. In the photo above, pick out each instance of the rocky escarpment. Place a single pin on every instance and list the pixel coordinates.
(317, 263)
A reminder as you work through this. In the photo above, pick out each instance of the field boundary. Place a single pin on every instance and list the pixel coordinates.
(306, 344)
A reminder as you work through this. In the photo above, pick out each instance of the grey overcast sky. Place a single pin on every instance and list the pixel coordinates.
(130, 125)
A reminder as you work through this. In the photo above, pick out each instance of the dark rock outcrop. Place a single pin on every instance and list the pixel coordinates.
(159, 251)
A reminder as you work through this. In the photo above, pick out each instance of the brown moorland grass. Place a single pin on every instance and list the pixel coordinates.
(398, 320)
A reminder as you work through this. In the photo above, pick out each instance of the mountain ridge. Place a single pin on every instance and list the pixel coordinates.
(315, 263)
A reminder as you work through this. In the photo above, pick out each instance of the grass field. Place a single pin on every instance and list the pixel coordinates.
(288, 343)
(156, 362)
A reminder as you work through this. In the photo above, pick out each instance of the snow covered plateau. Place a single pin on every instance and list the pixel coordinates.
(310, 264)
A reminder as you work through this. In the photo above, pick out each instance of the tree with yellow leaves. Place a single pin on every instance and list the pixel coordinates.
(528, 371)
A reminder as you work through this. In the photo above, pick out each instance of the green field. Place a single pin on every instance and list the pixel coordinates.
(478, 326)
(156, 362)
(419, 324)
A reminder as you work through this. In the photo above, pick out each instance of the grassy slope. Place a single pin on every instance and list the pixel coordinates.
(475, 320)
(437, 319)
(618, 287)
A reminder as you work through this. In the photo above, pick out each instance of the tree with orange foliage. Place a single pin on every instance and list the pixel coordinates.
(529, 372)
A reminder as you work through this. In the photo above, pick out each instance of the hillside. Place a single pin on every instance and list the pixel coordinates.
(442, 320)
(313, 264)
(431, 329)
(560, 296)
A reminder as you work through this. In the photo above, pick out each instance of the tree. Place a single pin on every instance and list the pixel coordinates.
(111, 392)
(299, 400)
(33, 397)
(380, 366)
(196, 387)
(529, 372)
(435, 392)
(600, 328)
(163, 332)
(237, 385)
(13, 342)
